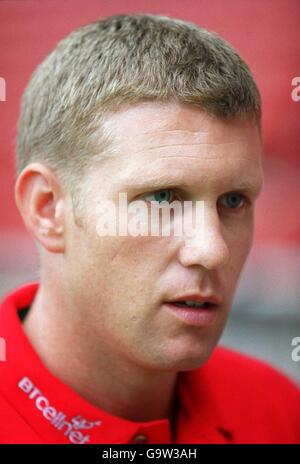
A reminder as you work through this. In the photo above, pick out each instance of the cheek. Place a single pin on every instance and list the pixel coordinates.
(131, 264)
(135, 252)
(125, 276)
(239, 240)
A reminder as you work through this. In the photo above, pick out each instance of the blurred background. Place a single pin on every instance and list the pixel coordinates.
(266, 313)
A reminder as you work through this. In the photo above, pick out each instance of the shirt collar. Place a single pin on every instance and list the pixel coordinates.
(59, 415)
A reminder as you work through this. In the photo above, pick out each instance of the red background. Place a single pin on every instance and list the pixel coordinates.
(265, 32)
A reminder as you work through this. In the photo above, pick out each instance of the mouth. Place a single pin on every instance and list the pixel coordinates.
(197, 311)
(192, 304)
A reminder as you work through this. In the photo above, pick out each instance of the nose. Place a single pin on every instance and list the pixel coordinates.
(207, 247)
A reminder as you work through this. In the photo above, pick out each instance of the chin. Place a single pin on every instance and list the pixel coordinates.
(193, 362)
(184, 359)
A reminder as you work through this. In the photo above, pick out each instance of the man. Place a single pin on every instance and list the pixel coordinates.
(117, 342)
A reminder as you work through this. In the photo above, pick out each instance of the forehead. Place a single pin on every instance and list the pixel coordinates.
(183, 141)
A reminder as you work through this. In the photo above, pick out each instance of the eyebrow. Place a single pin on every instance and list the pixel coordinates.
(247, 186)
(163, 182)
(159, 182)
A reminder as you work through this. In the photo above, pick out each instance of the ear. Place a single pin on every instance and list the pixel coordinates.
(41, 202)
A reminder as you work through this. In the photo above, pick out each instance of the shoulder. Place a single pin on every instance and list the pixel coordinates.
(249, 375)
(255, 395)
(238, 368)
(13, 428)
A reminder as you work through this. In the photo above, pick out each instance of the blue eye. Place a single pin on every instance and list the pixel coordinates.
(233, 200)
(161, 196)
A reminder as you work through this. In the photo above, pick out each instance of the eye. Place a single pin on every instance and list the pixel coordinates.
(161, 196)
(233, 200)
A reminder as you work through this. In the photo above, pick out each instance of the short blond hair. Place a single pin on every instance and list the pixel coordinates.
(122, 60)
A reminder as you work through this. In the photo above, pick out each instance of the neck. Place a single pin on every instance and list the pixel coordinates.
(70, 350)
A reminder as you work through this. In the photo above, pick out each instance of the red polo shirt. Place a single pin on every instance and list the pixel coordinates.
(231, 399)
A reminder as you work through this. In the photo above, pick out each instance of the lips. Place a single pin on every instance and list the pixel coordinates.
(194, 309)
(195, 299)
(192, 304)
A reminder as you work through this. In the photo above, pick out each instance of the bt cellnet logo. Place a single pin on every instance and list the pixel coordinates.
(70, 428)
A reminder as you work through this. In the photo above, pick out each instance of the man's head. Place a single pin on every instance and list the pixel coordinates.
(141, 104)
